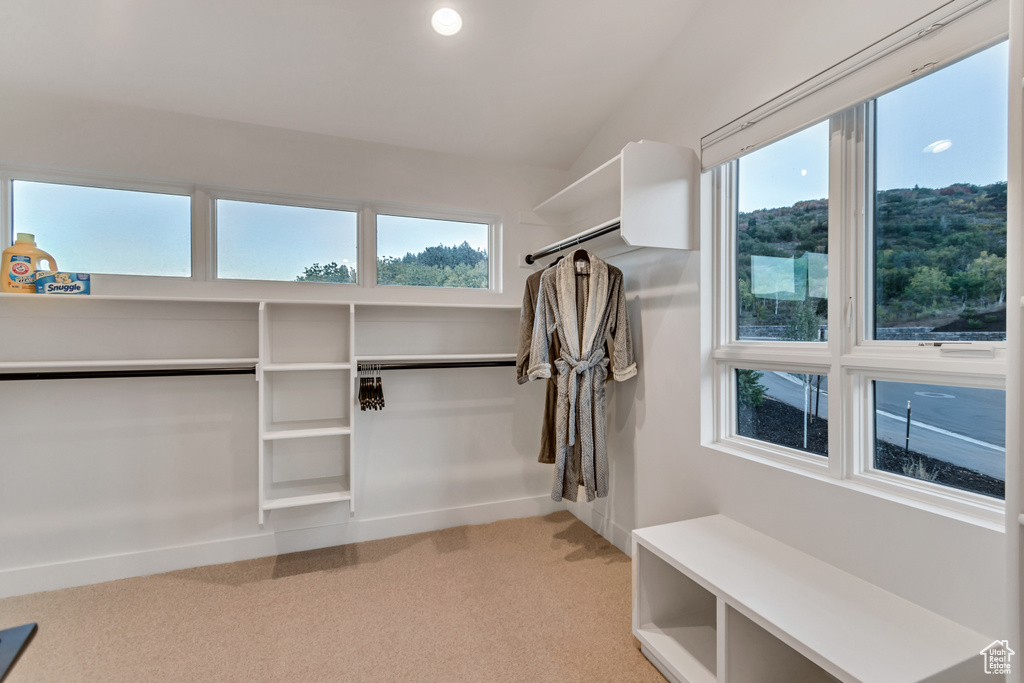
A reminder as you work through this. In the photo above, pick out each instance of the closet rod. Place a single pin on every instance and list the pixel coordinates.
(437, 365)
(585, 237)
(106, 374)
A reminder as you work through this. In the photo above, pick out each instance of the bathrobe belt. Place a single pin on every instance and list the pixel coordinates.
(570, 373)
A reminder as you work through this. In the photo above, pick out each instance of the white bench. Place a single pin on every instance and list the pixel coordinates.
(715, 601)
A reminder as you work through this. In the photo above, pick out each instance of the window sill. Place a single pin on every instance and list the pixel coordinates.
(983, 516)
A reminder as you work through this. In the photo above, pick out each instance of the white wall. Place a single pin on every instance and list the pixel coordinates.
(117, 477)
(732, 57)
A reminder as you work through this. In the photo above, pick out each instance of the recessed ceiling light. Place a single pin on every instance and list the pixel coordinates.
(446, 21)
(938, 146)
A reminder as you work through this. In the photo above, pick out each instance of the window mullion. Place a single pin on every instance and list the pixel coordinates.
(6, 219)
(724, 215)
(204, 246)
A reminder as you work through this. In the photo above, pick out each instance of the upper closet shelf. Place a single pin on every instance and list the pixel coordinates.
(650, 190)
(242, 300)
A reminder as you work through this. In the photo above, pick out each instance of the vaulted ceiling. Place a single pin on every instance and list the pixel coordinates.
(525, 81)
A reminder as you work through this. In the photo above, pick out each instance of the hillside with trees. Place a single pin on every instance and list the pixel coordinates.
(940, 256)
(441, 266)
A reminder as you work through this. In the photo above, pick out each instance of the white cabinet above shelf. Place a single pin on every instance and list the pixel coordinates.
(650, 190)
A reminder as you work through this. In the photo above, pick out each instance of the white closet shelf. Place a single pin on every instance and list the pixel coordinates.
(650, 190)
(289, 494)
(602, 182)
(304, 367)
(438, 357)
(690, 643)
(147, 363)
(246, 300)
(281, 502)
(305, 429)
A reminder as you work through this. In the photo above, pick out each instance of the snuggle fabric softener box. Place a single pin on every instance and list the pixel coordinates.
(20, 263)
(49, 282)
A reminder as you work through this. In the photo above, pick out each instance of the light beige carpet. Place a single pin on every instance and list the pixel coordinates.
(537, 599)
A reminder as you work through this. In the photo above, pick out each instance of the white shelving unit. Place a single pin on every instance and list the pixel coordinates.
(305, 403)
(651, 189)
(717, 602)
(303, 354)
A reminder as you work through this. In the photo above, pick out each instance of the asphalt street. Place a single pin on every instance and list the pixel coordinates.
(961, 425)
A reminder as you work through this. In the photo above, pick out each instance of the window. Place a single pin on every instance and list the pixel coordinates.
(106, 230)
(951, 435)
(783, 408)
(428, 252)
(861, 268)
(119, 226)
(940, 204)
(258, 241)
(782, 239)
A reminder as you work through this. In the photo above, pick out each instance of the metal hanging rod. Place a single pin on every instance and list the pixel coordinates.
(437, 365)
(585, 237)
(106, 374)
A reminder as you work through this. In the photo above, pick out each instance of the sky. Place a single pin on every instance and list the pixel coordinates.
(947, 127)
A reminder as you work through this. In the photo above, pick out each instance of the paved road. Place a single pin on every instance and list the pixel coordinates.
(961, 425)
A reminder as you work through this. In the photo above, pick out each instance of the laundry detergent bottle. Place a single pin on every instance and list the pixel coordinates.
(20, 261)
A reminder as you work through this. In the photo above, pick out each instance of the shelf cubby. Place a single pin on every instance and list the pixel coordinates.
(383, 331)
(753, 655)
(304, 400)
(676, 618)
(305, 471)
(308, 334)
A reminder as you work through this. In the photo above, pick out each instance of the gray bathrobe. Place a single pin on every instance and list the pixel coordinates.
(527, 317)
(582, 305)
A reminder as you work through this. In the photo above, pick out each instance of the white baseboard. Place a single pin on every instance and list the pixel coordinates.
(84, 571)
(614, 533)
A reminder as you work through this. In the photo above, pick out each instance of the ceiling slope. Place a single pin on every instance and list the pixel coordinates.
(529, 81)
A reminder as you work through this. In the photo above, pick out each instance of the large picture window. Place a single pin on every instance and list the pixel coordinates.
(862, 275)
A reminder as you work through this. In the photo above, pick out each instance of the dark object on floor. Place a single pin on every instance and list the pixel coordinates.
(13, 642)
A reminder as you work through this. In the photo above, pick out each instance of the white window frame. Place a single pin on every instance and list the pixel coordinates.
(849, 358)
(493, 242)
(104, 181)
(212, 195)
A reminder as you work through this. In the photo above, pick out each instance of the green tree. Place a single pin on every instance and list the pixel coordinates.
(803, 324)
(748, 385)
(989, 272)
(928, 286)
(331, 272)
